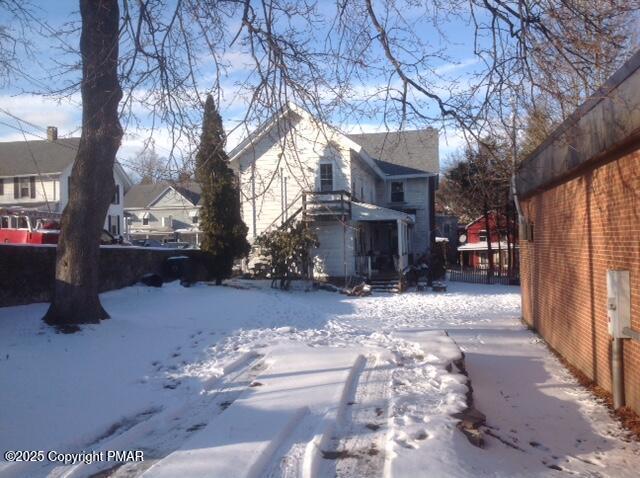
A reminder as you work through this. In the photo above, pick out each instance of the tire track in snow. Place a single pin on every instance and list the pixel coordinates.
(356, 446)
(165, 431)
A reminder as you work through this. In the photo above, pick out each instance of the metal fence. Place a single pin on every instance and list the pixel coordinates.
(481, 276)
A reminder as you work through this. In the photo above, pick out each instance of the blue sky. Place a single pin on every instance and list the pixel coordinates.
(23, 98)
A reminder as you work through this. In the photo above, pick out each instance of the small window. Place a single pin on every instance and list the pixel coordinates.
(397, 191)
(482, 235)
(145, 220)
(25, 187)
(22, 223)
(4, 222)
(326, 177)
(1, 186)
(194, 219)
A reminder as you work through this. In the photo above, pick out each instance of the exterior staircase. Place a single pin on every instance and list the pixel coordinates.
(385, 283)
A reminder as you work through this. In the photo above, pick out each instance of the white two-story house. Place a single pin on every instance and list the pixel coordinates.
(35, 175)
(368, 197)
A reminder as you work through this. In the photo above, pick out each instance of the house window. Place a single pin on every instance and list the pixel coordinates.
(116, 195)
(1, 187)
(194, 219)
(145, 220)
(397, 191)
(326, 177)
(482, 236)
(24, 187)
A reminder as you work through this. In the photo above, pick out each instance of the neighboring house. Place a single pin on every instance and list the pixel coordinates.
(579, 195)
(474, 252)
(35, 175)
(164, 211)
(447, 227)
(368, 197)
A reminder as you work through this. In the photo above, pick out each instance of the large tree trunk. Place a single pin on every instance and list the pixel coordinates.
(75, 299)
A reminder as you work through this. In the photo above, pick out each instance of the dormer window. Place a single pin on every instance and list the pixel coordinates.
(326, 177)
(397, 191)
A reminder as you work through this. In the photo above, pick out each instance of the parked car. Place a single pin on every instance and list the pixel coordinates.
(146, 243)
(177, 245)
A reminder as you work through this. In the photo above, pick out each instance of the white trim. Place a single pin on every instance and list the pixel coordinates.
(404, 191)
(393, 177)
(291, 107)
(164, 191)
(332, 162)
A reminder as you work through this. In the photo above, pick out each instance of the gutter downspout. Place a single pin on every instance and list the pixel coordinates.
(514, 192)
(617, 373)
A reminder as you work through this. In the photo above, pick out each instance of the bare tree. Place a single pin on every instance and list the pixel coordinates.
(75, 298)
(149, 166)
(356, 59)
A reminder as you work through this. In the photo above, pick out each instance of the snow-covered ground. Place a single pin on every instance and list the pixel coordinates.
(250, 381)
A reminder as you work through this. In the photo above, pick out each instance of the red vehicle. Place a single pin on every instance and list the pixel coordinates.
(28, 227)
(25, 226)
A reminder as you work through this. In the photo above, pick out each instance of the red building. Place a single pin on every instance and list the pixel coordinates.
(474, 246)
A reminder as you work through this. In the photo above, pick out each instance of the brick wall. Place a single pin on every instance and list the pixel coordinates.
(27, 272)
(582, 228)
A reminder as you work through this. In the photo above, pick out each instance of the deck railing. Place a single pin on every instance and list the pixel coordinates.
(319, 204)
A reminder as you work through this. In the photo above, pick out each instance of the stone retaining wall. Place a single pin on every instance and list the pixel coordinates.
(27, 272)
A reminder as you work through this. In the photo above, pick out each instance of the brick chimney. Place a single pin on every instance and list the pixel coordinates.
(52, 133)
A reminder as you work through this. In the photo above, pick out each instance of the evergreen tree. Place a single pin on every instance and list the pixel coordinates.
(224, 233)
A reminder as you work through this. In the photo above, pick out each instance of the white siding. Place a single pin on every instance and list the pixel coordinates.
(336, 248)
(364, 180)
(46, 187)
(285, 163)
(170, 204)
(416, 197)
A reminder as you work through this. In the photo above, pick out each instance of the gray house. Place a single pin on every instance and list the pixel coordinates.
(163, 211)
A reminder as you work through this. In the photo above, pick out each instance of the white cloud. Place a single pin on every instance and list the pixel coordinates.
(41, 112)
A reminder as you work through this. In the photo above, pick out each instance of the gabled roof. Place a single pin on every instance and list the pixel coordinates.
(402, 148)
(27, 158)
(142, 195)
(272, 122)
(388, 154)
(50, 156)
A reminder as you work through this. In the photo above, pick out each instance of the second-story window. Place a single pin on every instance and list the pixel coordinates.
(24, 187)
(326, 177)
(397, 191)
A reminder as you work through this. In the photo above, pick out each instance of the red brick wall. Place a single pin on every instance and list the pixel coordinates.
(582, 228)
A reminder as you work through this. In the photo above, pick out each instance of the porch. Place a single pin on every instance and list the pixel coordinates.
(383, 241)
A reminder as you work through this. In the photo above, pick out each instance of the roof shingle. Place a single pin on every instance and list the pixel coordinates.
(417, 150)
(50, 156)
